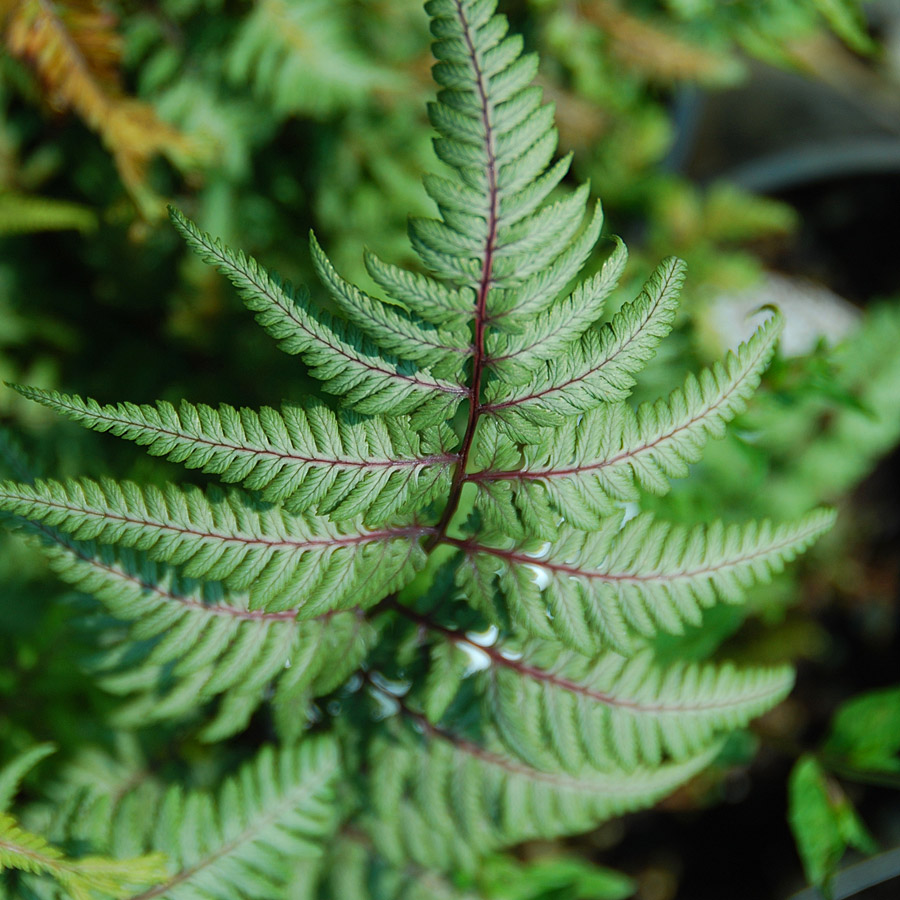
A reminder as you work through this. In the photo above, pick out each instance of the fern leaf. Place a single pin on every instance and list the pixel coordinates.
(340, 465)
(75, 50)
(600, 367)
(613, 588)
(565, 710)
(513, 309)
(88, 878)
(555, 708)
(274, 814)
(192, 642)
(12, 772)
(514, 357)
(338, 354)
(286, 561)
(432, 300)
(300, 57)
(591, 463)
(275, 811)
(443, 801)
(390, 328)
(493, 232)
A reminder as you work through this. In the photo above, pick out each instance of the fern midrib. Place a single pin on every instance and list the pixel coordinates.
(516, 401)
(484, 287)
(536, 474)
(574, 687)
(470, 546)
(291, 799)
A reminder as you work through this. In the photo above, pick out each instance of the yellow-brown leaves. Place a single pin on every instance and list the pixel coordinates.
(654, 51)
(74, 48)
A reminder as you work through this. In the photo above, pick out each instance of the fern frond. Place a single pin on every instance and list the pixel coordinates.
(245, 841)
(275, 811)
(433, 301)
(286, 561)
(300, 57)
(493, 233)
(74, 48)
(513, 309)
(340, 465)
(443, 800)
(88, 878)
(347, 363)
(613, 588)
(12, 772)
(561, 709)
(192, 642)
(589, 464)
(599, 368)
(555, 708)
(390, 328)
(514, 357)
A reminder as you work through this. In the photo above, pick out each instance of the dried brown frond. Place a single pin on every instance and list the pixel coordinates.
(75, 50)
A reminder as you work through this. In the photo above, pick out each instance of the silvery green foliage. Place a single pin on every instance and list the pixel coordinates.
(472, 476)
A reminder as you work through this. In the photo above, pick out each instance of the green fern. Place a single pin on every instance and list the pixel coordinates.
(475, 479)
(300, 57)
(269, 818)
(84, 878)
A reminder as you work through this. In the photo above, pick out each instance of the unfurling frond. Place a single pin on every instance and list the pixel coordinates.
(74, 48)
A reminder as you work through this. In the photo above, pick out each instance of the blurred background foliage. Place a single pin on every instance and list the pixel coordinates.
(757, 139)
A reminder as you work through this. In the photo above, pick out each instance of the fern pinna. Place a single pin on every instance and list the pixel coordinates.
(444, 558)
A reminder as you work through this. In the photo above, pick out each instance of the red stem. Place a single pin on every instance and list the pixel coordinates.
(484, 286)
